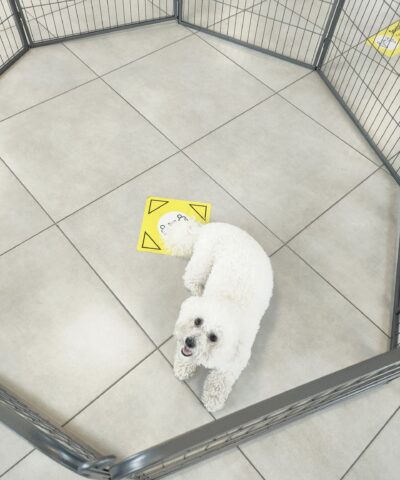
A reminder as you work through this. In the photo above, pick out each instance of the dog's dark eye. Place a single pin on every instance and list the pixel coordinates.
(198, 322)
(212, 337)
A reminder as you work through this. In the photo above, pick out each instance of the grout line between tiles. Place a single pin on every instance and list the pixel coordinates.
(338, 291)
(251, 463)
(48, 100)
(370, 443)
(106, 285)
(109, 387)
(233, 198)
(190, 34)
(17, 462)
(26, 240)
(273, 94)
(331, 132)
(335, 203)
(116, 188)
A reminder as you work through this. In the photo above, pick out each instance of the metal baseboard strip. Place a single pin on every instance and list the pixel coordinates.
(50, 41)
(262, 417)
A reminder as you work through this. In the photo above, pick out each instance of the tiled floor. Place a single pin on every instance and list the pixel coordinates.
(104, 122)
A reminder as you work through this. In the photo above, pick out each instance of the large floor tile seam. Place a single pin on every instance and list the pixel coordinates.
(327, 129)
(26, 188)
(271, 95)
(234, 199)
(117, 187)
(48, 99)
(19, 244)
(109, 387)
(190, 34)
(227, 122)
(211, 415)
(107, 286)
(250, 462)
(8, 469)
(359, 456)
(334, 204)
(337, 290)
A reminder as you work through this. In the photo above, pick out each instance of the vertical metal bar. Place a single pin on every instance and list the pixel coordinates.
(328, 34)
(394, 341)
(176, 9)
(179, 10)
(21, 23)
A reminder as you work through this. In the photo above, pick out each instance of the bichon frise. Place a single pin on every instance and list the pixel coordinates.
(230, 278)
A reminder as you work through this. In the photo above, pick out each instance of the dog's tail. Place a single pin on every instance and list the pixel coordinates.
(181, 237)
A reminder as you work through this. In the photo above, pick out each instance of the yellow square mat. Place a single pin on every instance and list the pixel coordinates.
(160, 213)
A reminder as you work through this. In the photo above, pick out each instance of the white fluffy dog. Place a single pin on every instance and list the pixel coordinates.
(230, 278)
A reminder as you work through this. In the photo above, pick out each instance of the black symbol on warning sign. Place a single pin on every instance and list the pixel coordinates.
(156, 204)
(201, 210)
(149, 243)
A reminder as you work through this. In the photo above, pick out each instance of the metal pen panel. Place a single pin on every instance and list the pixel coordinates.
(49, 21)
(289, 29)
(12, 39)
(362, 68)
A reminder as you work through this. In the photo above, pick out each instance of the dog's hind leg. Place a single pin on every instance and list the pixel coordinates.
(198, 268)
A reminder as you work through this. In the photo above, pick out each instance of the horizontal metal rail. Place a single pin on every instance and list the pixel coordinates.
(259, 418)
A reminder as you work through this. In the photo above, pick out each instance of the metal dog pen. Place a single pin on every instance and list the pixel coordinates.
(332, 37)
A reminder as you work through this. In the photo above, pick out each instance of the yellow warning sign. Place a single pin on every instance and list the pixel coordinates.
(160, 213)
(387, 41)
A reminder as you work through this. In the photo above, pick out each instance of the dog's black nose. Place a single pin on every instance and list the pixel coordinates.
(190, 342)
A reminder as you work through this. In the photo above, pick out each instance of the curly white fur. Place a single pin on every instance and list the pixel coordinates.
(230, 278)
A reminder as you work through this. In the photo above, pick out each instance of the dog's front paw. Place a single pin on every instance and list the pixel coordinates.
(183, 371)
(213, 401)
(215, 392)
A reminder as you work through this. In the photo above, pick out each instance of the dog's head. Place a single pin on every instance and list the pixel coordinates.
(207, 330)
